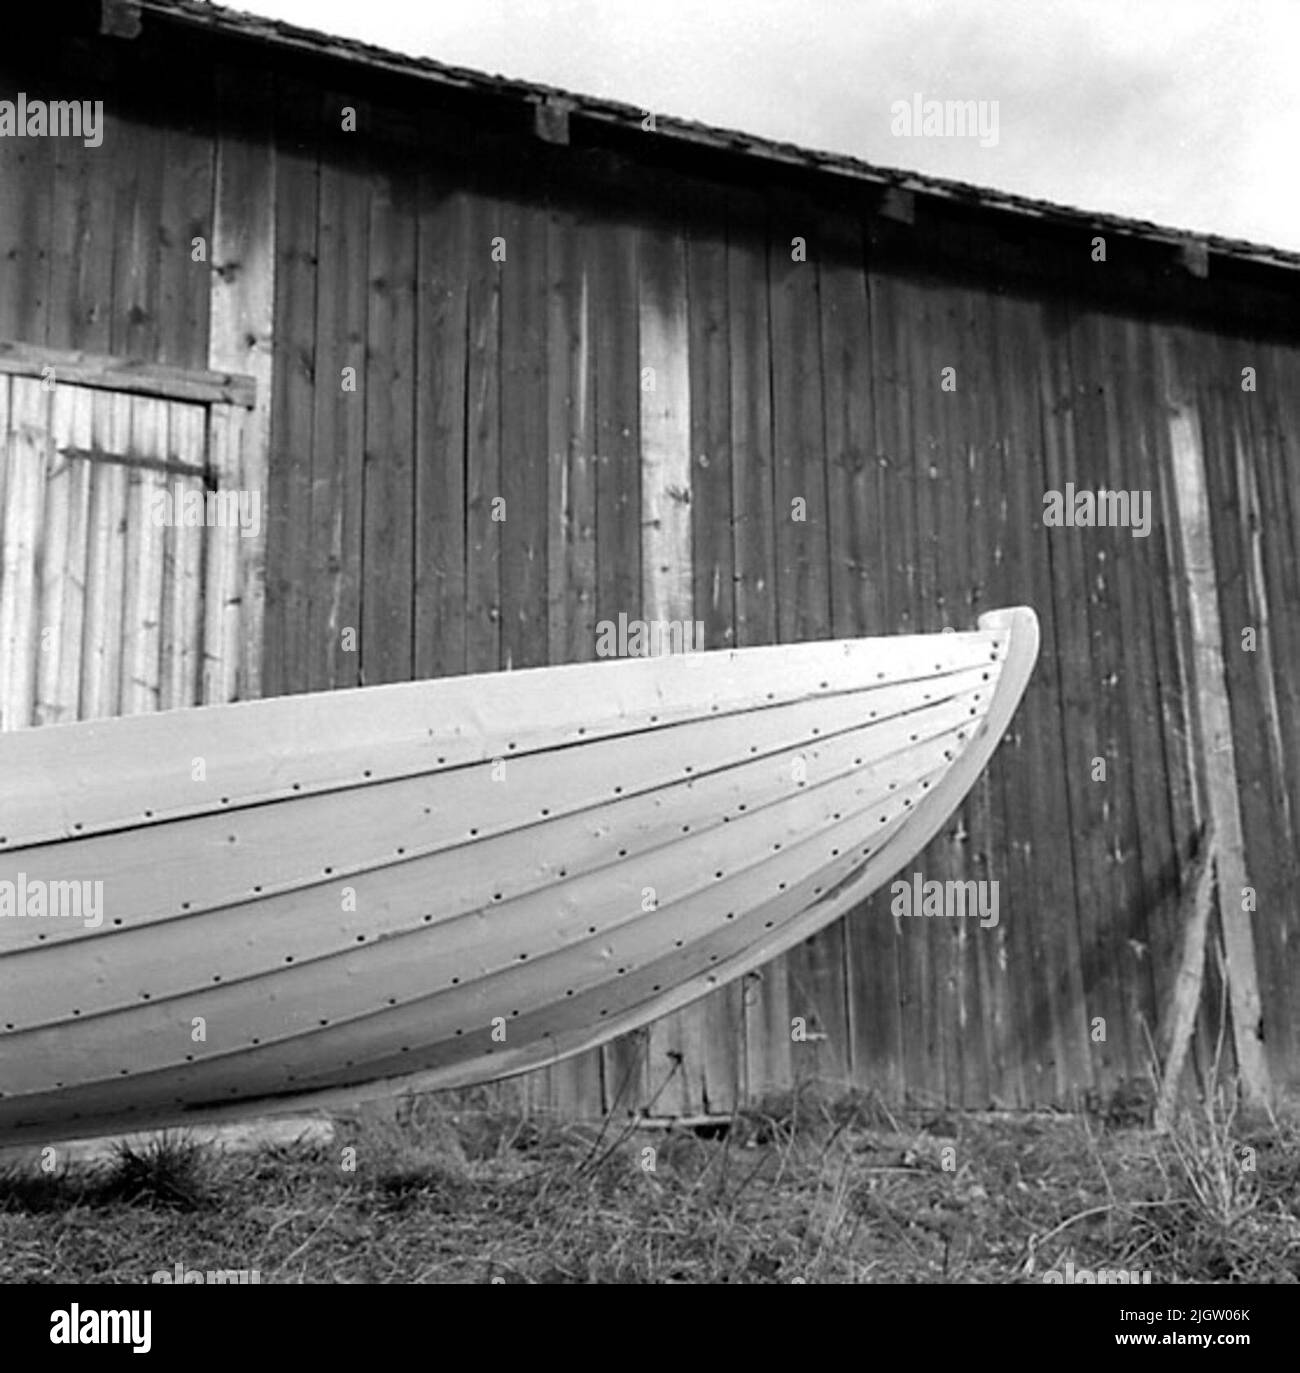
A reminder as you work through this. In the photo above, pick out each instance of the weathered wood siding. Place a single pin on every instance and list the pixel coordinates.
(466, 472)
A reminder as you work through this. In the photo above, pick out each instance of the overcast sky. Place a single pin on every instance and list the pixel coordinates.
(1185, 112)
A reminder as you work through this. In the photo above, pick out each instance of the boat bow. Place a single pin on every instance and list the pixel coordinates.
(310, 900)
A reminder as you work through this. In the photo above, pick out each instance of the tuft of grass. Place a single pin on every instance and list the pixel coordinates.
(33, 1192)
(171, 1171)
(1233, 1195)
(1211, 1162)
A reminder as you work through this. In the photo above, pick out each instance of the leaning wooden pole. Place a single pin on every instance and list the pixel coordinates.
(1214, 719)
(1179, 1021)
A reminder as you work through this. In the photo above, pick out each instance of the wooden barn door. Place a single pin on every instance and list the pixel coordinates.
(105, 610)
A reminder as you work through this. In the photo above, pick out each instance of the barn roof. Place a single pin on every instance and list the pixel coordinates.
(290, 38)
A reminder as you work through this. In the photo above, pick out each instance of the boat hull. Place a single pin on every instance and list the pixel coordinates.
(311, 900)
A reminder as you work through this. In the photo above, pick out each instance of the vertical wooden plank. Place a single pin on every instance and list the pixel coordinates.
(997, 576)
(618, 482)
(63, 697)
(926, 358)
(572, 1088)
(442, 322)
(1285, 400)
(1116, 679)
(665, 426)
(228, 437)
(524, 468)
(338, 427)
(72, 219)
(1168, 611)
(145, 539)
(1082, 729)
(1266, 820)
(990, 1017)
(803, 600)
(101, 653)
(618, 524)
(894, 383)
(913, 596)
(241, 313)
(1001, 554)
(802, 563)
(713, 554)
(940, 432)
(287, 513)
(709, 357)
(483, 438)
(765, 993)
(934, 463)
(137, 217)
(388, 568)
(751, 420)
(170, 641)
(856, 532)
(181, 641)
(188, 190)
(82, 228)
(5, 383)
(571, 420)
(524, 463)
(1235, 459)
(20, 564)
(907, 599)
(6, 489)
(1172, 797)
(5, 466)
(1275, 540)
(854, 549)
(27, 168)
(1188, 801)
(1154, 860)
(666, 571)
(875, 936)
(57, 556)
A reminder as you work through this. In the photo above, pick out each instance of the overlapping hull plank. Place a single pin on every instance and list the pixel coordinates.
(367, 882)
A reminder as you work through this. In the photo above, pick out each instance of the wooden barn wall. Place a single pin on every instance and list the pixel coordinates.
(778, 384)
(467, 473)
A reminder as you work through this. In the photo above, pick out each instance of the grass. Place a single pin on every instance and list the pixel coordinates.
(809, 1186)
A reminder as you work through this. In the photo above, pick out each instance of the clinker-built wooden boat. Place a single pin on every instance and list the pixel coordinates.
(314, 899)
